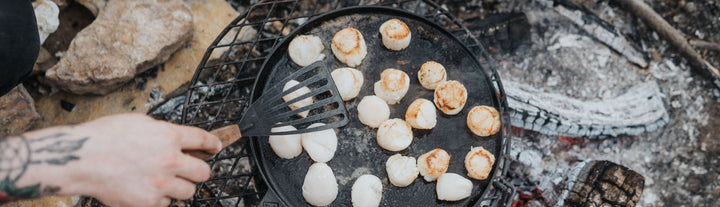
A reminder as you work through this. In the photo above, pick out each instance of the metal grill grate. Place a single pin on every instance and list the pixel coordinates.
(219, 91)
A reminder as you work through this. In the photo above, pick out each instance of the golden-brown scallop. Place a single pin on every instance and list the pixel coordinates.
(421, 114)
(393, 85)
(450, 97)
(483, 120)
(395, 34)
(479, 163)
(433, 164)
(349, 47)
(431, 74)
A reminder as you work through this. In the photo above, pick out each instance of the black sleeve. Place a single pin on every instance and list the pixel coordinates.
(19, 42)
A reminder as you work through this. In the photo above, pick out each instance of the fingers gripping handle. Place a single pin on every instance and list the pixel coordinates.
(227, 134)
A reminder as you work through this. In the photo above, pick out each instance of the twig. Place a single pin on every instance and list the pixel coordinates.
(672, 35)
(705, 45)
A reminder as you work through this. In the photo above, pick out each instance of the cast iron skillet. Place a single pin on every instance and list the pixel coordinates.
(358, 152)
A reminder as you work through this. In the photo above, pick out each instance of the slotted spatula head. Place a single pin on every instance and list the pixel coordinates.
(271, 111)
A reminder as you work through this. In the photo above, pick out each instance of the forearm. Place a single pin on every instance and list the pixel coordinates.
(39, 163)
(122, 160)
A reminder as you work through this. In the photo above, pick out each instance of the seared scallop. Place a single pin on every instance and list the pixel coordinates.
(395, 34)
(349, 47)
(286, 146)
(421, 114)
(453, 187)
(295, 94)
(306, 49)
(373, 111)
(450, 97)
(433, 164)
(320, 145)
(479, 163)
(431, 74)
(394, 135)
(401, 170)
(319, 187)
(483, 120)
(393, 85)
(348, 82)
(367, 191)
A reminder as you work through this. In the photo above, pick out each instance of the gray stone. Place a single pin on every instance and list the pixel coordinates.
(127, 38)
(46, 14)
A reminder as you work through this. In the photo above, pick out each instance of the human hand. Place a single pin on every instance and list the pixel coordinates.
(133, 160)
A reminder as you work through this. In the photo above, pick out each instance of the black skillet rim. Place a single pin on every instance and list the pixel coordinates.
(261, 80)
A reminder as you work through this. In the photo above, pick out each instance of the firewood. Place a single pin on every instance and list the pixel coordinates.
(705, 45)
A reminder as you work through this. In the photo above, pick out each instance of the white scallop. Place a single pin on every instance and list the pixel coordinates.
(306, 49)
(348, 81)
(320, 145)
(394, 135)
(373, 111)
(421, 114)
(349, 47)
(401, 170)
(297, 93)
(320, 187)
(286, 146)
(367, 191)
(393, 85)
(453, 187)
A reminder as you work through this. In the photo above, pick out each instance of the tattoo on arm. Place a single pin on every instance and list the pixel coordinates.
(17, 154)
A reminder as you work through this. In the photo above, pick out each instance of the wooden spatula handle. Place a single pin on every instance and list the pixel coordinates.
(227, 134)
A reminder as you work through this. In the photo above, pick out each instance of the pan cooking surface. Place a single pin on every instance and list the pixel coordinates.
(358, 152)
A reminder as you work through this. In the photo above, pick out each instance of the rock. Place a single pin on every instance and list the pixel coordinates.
(127, 38)
(43, 58)
(73, 19)
(46, 14)
(210, 18)
(93, 5)
(17, 110)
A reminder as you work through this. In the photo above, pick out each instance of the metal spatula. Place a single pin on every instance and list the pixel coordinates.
(271, 111)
